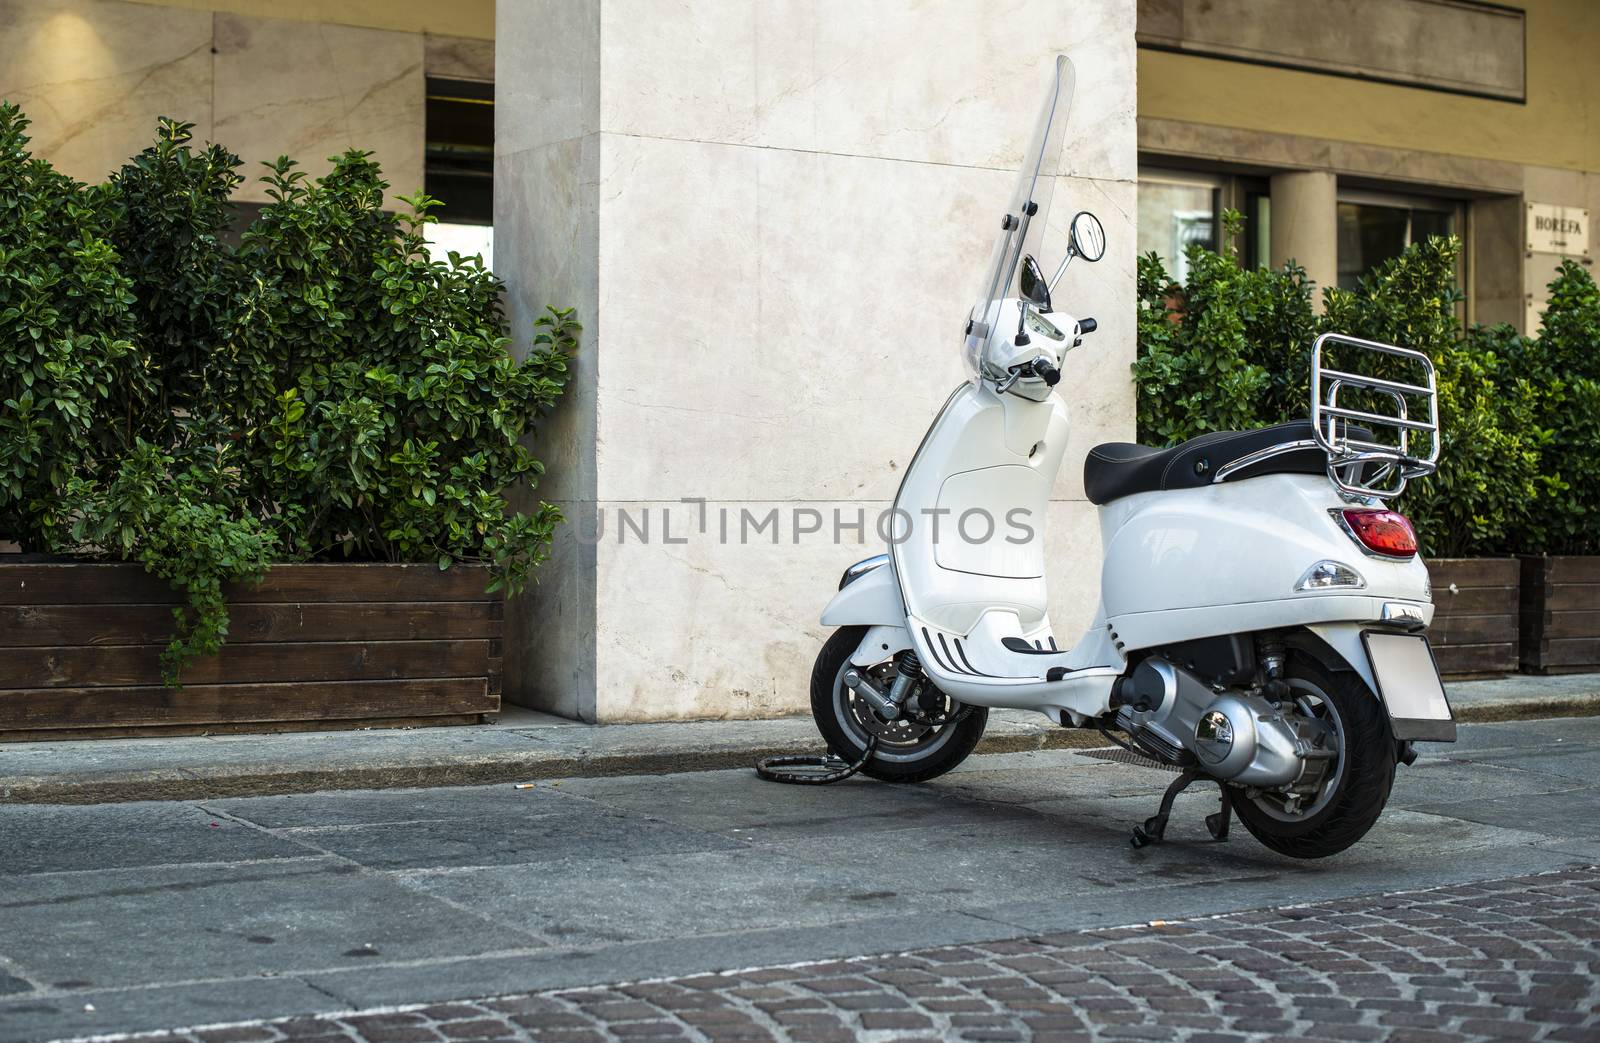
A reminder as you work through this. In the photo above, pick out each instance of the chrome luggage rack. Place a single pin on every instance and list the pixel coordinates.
(1374, 468)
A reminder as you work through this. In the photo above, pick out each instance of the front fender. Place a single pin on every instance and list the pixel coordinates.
(871, 600)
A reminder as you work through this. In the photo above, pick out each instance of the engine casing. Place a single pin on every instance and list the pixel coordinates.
(1233, 734)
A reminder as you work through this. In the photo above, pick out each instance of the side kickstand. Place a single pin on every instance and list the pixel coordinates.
(1154, 829)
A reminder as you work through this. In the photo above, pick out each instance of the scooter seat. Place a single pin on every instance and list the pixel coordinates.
(1117, 469)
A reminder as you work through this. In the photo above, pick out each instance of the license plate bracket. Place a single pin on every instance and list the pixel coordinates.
(1409, 685)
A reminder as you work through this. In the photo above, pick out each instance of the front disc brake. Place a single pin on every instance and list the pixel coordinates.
(902, 731)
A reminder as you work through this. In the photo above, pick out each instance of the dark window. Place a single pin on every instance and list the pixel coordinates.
(241, 215)
(1258, 229)
(460, 151)
(1373, 229)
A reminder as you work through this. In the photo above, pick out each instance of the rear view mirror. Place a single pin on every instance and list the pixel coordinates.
(1088, 236)
(1033, 284)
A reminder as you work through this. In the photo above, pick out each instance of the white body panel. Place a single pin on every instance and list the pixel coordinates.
(1222, 559)
(997, 453)
(872, 601)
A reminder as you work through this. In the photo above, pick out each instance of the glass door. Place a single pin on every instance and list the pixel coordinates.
(1175, 210)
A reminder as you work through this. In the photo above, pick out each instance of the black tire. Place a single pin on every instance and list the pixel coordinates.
(1366, 772)
(929, 757)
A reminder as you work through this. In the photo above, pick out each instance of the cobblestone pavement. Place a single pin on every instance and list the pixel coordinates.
(1509, 959)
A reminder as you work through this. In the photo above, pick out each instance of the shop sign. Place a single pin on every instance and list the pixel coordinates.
(1558, 230)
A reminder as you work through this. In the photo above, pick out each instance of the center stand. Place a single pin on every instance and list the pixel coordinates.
(1154, 829)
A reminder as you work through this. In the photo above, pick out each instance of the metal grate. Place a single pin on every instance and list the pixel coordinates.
(1112, 753)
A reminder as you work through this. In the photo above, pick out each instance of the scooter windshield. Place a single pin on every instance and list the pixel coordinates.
(1022, 223)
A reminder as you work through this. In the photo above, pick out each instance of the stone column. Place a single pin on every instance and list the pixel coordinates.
(1305, 225)
(772, 219)
(546, 215)
(1495, 264)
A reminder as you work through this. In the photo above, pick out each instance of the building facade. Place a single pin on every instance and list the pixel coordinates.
(1344, 131)
(770, 218)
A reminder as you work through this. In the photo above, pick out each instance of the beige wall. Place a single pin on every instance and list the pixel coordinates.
(772, 217)
(1497, 155)
(1463, 47)
(93, 76)
(1559, 126)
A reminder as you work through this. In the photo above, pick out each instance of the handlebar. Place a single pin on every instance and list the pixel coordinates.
(1042, 367)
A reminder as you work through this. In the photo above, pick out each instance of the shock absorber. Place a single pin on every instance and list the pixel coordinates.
(908, 671)
(1272, 661)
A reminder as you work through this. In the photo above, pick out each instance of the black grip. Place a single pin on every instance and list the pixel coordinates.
(1046, 371)
(1087, 325)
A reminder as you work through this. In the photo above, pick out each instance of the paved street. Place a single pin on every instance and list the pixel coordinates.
(1507, 959)
(147, 916)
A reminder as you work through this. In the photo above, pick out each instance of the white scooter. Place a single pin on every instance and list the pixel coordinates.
(1262, 614)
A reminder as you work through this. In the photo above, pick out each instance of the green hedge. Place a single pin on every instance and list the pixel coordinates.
(1520, 449)
(1564, 364)
(324, 390)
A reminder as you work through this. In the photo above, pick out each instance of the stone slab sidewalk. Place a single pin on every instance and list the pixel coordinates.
(526, 746)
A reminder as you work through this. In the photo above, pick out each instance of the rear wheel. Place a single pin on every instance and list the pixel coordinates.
(908, 750)
(1349, 792)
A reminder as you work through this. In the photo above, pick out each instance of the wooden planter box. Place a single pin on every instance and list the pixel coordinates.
(1475, 607)
(1561, 615)
(312, 646)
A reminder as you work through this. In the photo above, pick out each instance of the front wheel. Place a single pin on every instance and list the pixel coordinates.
(1333, 811)
(908, 751)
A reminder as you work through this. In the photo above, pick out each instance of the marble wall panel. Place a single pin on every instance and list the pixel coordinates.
(546, 213)
(713, 628)
(93, 76)
(458, 58)
(766, 400)
(813, 313)
(547, 86)
(938, 83)
(1096, 378)
(311, 91)
(794, 200)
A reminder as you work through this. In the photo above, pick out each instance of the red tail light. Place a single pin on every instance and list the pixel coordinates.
(1381, 532)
